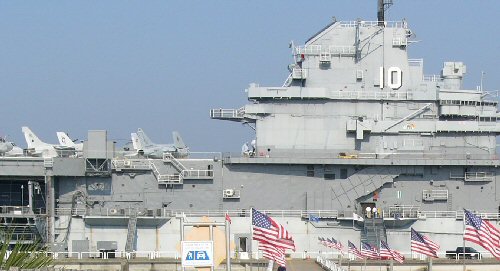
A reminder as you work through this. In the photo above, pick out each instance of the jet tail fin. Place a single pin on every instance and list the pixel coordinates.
(136, 142)
(178, 142)
(65, 140)
(144, 140)
(31, 139)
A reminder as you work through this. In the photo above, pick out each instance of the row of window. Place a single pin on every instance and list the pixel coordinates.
(328, 172)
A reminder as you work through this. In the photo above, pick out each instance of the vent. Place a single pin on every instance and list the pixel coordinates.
(230, 194)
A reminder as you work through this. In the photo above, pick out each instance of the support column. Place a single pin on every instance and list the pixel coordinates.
(228, 243)
(30, 197)
(50, 206)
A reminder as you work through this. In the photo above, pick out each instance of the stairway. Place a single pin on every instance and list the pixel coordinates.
(449, 204)
(131, 233)
(374, 231)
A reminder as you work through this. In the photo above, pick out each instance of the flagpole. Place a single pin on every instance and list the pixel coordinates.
(228, 242)
(270, 265)
(463, 245)
(251, 232)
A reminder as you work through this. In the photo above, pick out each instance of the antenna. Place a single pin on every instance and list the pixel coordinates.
(383, 5)
(482, 78)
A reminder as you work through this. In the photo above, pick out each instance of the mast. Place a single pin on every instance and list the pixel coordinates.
(382, 6)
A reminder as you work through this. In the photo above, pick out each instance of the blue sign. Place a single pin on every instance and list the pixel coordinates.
(197, 255)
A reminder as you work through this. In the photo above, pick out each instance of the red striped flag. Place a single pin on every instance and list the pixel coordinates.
(332, 243)
(273, 253)
(369, 251)
(422, 244)
(386, 252)
(266, 230)
(483, 233)
(353, 250)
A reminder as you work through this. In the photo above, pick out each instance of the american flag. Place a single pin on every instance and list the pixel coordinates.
(422, 244)
(268, 231)
(483, 233)
(385, 251)
(354, 250)
(323, 241)
(273, 253)
(335, 244)
(369, 251)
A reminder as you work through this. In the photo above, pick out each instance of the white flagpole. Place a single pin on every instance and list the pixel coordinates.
(251, 232)
(463, 247)
(228, 243)
(270, 265)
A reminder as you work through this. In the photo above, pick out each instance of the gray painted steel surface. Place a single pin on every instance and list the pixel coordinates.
(356, 124)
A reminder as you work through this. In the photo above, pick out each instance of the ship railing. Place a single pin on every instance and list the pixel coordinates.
(113, 254)
(432, 78)
(479, 176)
(369, 95)
(327, 49)
(328, 264)
(437, 214)
(216, 156)
(226, 113)
(197, 174)
(391, 24)
(401, 212)
(20, 210)
(457, 214)
(152, 254)
(133, 164)
(416, 62)
(246, 213)
(127, 212)
(70, 211)
(362, 155)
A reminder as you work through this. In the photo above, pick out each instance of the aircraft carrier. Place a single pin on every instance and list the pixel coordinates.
(356, 126)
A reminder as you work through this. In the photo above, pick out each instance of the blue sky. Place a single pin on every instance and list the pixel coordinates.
(162, 65)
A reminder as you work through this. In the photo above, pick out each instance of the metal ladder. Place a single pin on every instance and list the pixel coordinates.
(450, 202)
(131, 233)
(374, 231)
(168, 157)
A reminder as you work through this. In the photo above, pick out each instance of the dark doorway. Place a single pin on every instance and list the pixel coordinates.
(364, 205)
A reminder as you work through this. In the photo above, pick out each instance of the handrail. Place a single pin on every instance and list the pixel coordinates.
(392, 24)
(330, 49)
(20, 210)
(152, 254)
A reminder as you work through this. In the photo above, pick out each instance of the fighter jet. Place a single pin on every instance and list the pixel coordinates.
(66, 141)
(36, 147)
(147, 148)
(5, 146)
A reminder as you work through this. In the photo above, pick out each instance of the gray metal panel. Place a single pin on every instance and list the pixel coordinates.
(80, 246)
(69, 167)
(107, 245)
(96, 146)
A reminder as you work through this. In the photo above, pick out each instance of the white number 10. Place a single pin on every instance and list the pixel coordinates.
(394, 77)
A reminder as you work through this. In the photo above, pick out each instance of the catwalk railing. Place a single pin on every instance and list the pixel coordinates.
(329, 265)
(325, 255)
(392, 212)
(395, 156)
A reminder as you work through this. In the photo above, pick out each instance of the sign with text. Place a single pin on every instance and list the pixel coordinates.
(197, 253)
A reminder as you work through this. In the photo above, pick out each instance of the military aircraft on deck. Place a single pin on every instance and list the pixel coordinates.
(65, 140)
(145, 147)
(36, 147)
